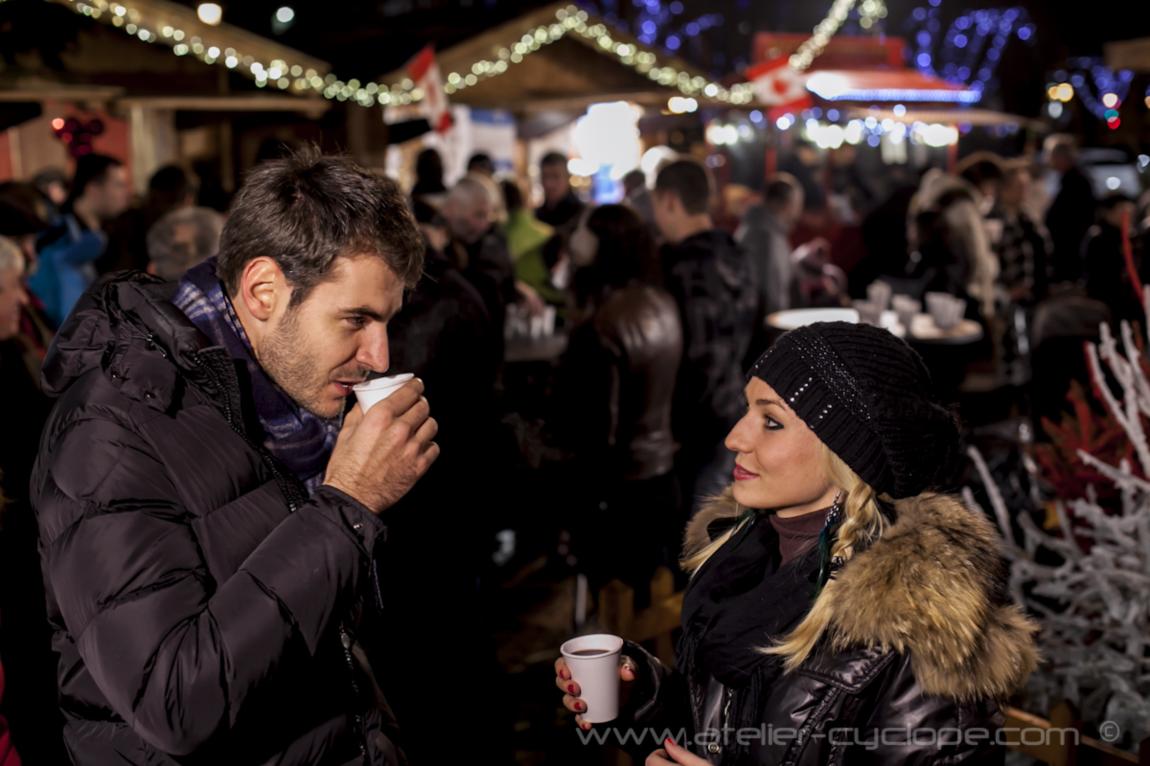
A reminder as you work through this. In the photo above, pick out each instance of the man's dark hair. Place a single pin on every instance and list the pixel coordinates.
(634, 179)
(780, 190)
(90, 169)
(481, 162)
(980, 167)
(690, 182)
(551, 159)
(169, 186)
(512, 195)
(308, 209)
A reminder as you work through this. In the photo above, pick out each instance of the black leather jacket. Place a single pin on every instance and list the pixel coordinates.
(930, 649)
(619, 377)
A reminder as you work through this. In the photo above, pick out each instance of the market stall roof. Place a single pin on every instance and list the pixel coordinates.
(137, 48)
(556, 71)
(1129, 54)
(165, 22)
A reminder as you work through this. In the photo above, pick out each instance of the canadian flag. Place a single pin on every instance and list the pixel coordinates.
(778, 85)
(424, 72)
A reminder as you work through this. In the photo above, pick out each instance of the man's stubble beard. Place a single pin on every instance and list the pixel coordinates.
(286, 359)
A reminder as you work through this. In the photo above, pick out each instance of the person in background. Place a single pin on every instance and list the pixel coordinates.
(69, 250)
(950, 245)
(479, 250)
(638, 196)
(1023, 252)
(476, 250)
(428, 175)
(718, 302)
(182, 239)
(1107, 275)
(526, 237)
(1071, 213)
(481, 163)
(1019, 241)
(444, 336)
(615, 394)
(20, 223)
(561, 207)
(25, 636)
(765, 238)
(983, 171)
(52, 186)
(170, 188)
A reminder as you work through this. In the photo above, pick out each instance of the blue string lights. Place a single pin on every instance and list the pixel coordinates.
(655, 22)
(1099, 88)
(972, 45)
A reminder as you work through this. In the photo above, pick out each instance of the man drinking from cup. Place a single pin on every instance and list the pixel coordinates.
(207, 524)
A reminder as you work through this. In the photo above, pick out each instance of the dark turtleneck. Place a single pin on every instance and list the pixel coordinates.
(798, 534)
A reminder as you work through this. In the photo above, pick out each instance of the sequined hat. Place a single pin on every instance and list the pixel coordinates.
(868, 396)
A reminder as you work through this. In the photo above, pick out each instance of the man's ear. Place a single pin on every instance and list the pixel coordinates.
(261, 287)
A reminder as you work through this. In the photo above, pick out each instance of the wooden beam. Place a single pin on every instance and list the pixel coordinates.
(254, 103)
(49, 91)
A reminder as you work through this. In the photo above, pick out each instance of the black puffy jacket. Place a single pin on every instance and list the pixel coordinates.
(921, 648)
(203, 607)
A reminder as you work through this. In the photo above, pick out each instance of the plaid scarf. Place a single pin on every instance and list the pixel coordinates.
(300, 439)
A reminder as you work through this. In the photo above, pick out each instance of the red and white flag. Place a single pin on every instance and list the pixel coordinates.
(778, 85)
(424, 72)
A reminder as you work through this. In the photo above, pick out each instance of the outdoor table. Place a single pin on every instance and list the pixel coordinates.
(922, 327)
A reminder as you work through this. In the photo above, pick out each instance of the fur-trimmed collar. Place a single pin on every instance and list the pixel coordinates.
(930, 587)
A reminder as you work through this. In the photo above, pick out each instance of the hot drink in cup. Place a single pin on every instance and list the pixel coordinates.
(373, 391)
(594, 664)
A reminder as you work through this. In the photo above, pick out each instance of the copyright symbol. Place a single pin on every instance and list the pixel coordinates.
(1109, 731)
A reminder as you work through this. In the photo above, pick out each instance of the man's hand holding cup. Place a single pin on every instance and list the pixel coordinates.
(381, 453)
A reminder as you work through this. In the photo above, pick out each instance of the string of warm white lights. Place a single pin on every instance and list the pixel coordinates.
(802, 58)
(870, 12)
(276, 73)
(568, 20)
(299, 79)
(572, 20)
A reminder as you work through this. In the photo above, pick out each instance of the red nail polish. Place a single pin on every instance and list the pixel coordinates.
(668, 741)
(571, 688)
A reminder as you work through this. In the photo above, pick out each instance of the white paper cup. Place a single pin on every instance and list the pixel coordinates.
(371, 392)
(596, 672)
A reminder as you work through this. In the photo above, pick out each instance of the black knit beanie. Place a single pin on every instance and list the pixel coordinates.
(868, 396)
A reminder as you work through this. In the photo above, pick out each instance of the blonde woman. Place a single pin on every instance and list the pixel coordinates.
(839, 612)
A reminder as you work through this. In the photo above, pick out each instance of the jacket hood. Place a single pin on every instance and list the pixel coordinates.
(126, 325)
(932, 587)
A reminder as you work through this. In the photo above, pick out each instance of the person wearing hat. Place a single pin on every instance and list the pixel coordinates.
(840, 610)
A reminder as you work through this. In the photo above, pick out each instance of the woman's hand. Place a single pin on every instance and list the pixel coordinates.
(671, 754)
(571, 699)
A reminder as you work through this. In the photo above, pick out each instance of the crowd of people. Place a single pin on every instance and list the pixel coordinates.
(197, 405)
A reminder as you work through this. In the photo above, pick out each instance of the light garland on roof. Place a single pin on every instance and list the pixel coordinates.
(871, 12)
(570, 20)
(801, 59)
(277, 73)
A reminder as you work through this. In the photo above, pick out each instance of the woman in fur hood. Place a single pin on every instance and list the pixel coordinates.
(839, 612)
